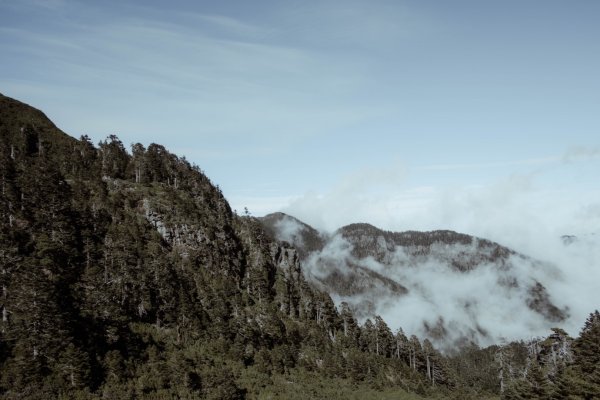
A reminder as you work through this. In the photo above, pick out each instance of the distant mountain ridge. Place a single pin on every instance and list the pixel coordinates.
(369, 241)
(371, 269)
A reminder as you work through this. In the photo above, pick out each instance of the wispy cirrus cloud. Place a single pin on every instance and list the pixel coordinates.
(502, 164)
(211, 74)
(578, 153)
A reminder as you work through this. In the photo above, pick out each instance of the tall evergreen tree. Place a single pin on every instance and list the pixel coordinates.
(587, 355)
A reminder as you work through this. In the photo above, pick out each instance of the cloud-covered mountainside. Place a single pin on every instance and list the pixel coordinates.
(448, 286)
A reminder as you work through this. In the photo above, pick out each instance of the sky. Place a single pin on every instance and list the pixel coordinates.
(477, 116)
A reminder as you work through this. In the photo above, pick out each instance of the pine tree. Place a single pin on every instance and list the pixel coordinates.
(138, 163)
(568, 384)
(368, 337)
(538, 382)
(415, 353)
(587, 355)
(350, 330)
(401, 346)
(114, 158)
(383, 338)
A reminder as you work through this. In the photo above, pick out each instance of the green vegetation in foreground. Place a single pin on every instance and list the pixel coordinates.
(301, 385)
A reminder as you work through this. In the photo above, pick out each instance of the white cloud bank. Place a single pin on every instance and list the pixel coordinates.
(487, 304)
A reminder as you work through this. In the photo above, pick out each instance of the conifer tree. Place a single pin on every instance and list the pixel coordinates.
(114, 158)
(401, 346)
(587, 355)
(383, 338)
(350, 331)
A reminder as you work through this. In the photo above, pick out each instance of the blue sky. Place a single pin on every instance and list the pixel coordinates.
(477, 116)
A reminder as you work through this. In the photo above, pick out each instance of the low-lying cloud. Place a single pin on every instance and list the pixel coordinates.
(486, 304)
(527, 211)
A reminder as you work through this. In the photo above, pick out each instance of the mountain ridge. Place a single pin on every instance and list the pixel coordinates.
(370, 269)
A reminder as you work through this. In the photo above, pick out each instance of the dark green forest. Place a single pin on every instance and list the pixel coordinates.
(125, 274)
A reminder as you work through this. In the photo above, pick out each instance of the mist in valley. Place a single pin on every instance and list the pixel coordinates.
(555, 246)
